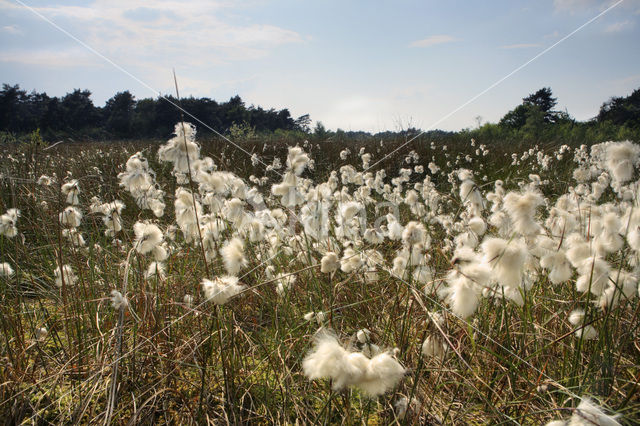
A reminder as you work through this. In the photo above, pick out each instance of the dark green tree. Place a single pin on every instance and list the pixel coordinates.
(540, 102)
(12, 98)
(233, 112)
(118, 113)
(144, 117)
(78, 110)
(320, 131)
(166, 116)
(303, 123)
(622, 111)
(544, 100)
(517, 117)
(124, 117)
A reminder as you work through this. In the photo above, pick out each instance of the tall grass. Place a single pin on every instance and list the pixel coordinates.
(163, 358)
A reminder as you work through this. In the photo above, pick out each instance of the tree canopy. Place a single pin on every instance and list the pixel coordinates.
(535, 110)
(622, 110)
(125, 117)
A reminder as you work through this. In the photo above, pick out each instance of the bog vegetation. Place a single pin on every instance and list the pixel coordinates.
(192, 282)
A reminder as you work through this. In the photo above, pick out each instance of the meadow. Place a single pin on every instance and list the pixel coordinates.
(195, 281)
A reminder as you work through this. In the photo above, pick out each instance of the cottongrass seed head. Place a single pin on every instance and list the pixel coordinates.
(233, 256)
(221, 289)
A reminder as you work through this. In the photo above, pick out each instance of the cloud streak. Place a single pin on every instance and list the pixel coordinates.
(520, 46)
(11, 29)
(618, 27)
(579, 6)
(55, 58)
(432, 41)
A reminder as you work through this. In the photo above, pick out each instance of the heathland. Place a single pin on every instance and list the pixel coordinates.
(276, 280)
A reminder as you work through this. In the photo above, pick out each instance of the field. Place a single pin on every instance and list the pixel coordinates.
(192, 281)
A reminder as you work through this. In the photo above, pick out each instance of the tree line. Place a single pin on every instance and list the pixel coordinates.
(537, 120)
(123, 116)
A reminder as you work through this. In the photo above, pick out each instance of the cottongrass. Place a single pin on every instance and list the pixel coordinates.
(373, 376)
(6, 270)
(8, 223)
(232, 253)
(587, 413)
(221, 289)
(526, 281)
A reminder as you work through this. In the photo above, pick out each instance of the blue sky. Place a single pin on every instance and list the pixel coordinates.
(355, 65)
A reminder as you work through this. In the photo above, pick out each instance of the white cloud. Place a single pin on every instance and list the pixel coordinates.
(619, 27)
(51, 58)
(165, 31)
(520, 46)
(554, 34)
(432, 41)
(575, 6)
(11, 29)
(630, 80)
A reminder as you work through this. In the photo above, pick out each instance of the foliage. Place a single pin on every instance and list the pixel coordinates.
(124, 117)
(622, 111)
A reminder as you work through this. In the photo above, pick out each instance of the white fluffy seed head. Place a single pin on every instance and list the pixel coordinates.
(148, 237)
(284, 283)
(578, 250)
(477, 225)
(118, 301)
(65, 274)
(433, 347)
(6, 270)
(558, 265)
(363, 335)
(156, 270)
(221, 289)
(8, 223)
(233, 256)
(351, 261)
(71, 217)
(328, 359)
(621, 157)
(587, 333)
(297, 160)
(329, 263)
(383, 373)
(461, 295)
(414, 233)
(521, 209)
(588, 413)
(576, 317)
(506, 259)
(594, 275)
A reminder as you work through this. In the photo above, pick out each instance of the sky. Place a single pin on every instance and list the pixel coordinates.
(353, 65)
